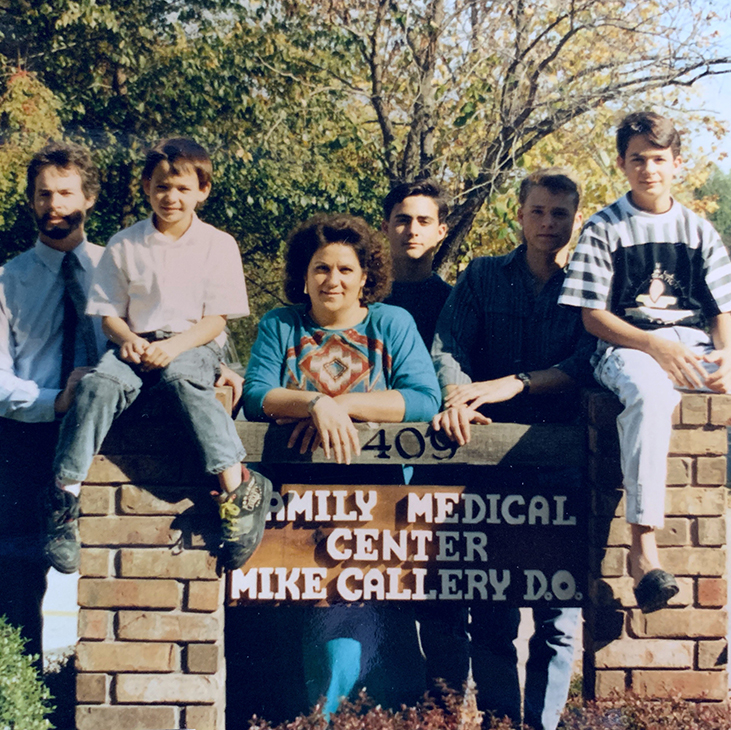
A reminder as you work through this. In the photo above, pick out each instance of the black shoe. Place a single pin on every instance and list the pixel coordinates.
(62, 548)
(655, 590)
(243, 520)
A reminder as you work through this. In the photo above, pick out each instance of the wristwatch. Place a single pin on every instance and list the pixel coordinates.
(525, 379)
(311, 404)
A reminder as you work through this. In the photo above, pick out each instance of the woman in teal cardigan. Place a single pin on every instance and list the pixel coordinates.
(337, 356)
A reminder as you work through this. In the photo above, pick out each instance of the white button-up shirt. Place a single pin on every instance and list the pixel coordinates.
(156, 283)
(31, 329)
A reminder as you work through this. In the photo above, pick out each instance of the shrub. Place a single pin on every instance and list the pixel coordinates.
(629, 712)
(447, 711)
(24, 699)
(451, 711)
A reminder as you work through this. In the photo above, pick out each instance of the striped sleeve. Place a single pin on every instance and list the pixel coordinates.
(589, 278)
(717, 267)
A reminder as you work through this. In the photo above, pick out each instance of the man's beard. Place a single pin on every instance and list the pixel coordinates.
(73, 222)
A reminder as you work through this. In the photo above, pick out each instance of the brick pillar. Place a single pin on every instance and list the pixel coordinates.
(150, 651)
(681, 649)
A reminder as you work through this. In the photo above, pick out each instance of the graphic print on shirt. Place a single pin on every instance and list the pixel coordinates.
(335, 363)
(668, 286)
(656, 302)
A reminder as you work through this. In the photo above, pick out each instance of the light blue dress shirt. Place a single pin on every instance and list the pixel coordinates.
(31, 329)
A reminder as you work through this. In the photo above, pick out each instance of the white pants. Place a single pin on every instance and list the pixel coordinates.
(649, 399)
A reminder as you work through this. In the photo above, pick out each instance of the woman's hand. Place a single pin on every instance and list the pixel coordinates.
(329, 426)
(304, 427)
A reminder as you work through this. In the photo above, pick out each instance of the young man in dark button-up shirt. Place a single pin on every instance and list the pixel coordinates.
(505, 350)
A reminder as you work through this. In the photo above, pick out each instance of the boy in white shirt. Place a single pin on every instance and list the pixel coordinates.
(164, 289)
(651, 277)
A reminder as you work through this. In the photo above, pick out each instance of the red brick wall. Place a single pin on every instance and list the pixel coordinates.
(150, 653)
(682, 649)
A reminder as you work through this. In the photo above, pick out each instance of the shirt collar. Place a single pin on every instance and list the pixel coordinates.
(516, 259)
(51, 258)
(671, 211)
(515, 256)
(153, 236)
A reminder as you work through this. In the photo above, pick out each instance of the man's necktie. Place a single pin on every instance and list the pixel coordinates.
(74, 318)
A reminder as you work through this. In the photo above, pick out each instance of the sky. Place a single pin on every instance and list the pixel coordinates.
(716, 91)
(716, 99)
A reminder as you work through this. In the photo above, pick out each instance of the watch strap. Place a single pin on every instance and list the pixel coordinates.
(525, 379)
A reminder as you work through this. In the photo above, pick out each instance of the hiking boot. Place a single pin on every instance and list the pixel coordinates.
(243, 519)
(62, 549)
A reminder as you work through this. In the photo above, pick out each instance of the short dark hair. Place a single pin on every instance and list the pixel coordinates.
(67, 156)
(182, 154)
(429, 188)
(659, 130)
(554, 179)
(323, 229)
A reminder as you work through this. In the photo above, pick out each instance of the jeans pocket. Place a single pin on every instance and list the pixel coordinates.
(608, 369)
(216, 349)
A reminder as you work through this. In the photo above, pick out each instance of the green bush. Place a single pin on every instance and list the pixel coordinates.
(24, 699)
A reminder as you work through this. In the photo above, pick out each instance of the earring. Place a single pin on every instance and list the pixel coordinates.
(306, 292)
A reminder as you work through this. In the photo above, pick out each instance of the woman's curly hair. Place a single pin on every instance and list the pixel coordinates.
(323, 229)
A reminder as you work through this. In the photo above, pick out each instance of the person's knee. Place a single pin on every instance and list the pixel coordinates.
(193, 368)
(655, 396)
(557, 627)
(638, 380)
(111, 372)
(107, 386)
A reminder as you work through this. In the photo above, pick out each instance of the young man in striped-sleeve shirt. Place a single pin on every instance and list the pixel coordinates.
(651, 276)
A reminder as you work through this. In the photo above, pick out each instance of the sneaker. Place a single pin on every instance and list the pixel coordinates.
(62, 548)
(243, 520)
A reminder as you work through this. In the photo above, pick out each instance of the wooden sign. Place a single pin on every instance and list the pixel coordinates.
(506, 444)
(504, 535)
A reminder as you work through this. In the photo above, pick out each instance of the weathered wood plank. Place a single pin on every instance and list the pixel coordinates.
(416, 443)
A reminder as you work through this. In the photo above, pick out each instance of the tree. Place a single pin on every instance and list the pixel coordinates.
(280, 152)
(587, 146)
(28, 117)
(314, 105)
(718, 188)
(464, 89)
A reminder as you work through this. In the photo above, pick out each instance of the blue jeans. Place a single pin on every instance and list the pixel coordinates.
(114, 385)
(644, 426)
(548, 670)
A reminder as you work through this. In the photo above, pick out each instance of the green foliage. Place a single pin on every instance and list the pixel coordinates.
(28, 117)
(284, 143)
(718, 188)
(24, 699)
(321, 105)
